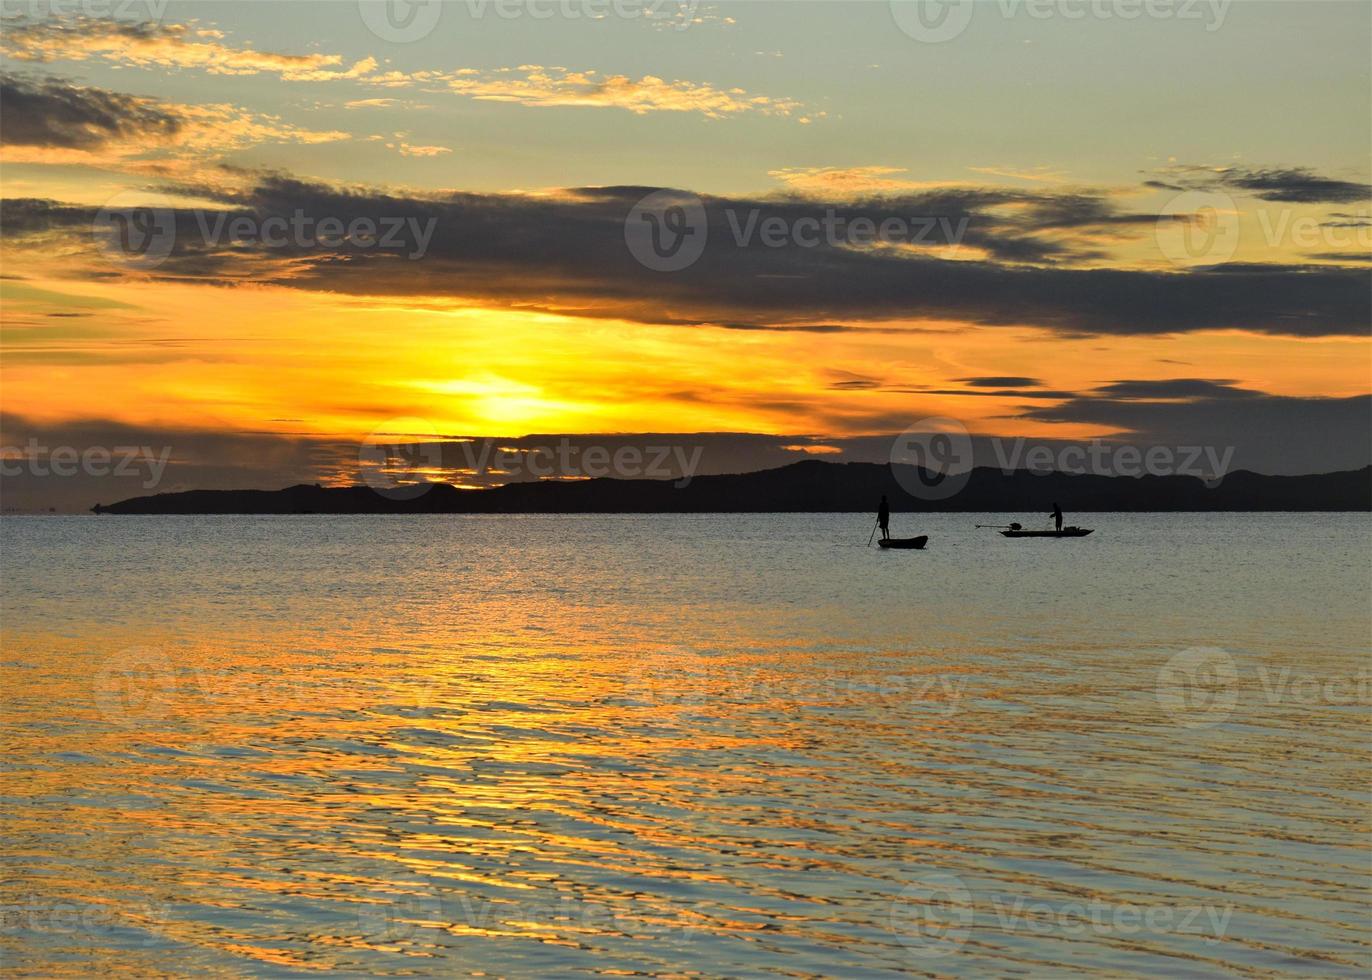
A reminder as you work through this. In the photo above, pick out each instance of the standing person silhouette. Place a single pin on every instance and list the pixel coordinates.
(1057, 515)
(884, 518)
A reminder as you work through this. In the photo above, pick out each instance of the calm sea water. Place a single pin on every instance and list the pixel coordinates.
(736, 745)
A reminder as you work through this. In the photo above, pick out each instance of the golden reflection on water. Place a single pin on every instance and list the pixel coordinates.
(566, 760)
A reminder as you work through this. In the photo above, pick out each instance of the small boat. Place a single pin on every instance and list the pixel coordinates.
(915, 543)
(1067, 532)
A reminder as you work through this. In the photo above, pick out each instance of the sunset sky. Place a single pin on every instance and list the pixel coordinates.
(1164, 227)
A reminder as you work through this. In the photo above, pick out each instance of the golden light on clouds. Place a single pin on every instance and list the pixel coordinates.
(522, 308)
(159, 353)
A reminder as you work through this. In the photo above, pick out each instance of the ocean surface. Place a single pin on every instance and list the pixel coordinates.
(688, 745)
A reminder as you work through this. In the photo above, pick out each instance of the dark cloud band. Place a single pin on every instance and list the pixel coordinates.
(567, 254)
(50, 113)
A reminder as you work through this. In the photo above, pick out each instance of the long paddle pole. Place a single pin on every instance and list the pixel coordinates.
(873, 534)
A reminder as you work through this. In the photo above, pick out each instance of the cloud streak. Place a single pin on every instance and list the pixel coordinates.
(52, 114)
(1268, 434)
(192, 47)
(1288, 185)
(566, 253)
(544, 87)
(49, 120)
(1274, 433)
(165, 46)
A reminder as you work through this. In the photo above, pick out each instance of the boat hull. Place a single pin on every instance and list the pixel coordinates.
(907, 543)
(1067, 532)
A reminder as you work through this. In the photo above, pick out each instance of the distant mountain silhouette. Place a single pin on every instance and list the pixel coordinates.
(808, 486)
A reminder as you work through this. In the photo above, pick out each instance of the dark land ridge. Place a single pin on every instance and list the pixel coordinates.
(807, 486)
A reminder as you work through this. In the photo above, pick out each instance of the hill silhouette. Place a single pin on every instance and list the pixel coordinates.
(807, 486)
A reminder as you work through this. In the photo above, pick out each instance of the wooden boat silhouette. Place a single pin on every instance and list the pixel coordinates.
(1067, 532)
(914, 543)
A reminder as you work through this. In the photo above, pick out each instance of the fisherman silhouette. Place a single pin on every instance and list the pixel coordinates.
(1057, 515)
(884, 518)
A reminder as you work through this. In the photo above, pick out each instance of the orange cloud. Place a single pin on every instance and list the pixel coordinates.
(1044, 175)
(167, 46)
(189, 46)
(408, 150)
(534, 85)
(846, 181)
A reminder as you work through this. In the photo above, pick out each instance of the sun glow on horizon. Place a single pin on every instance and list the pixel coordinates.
(177, 354)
